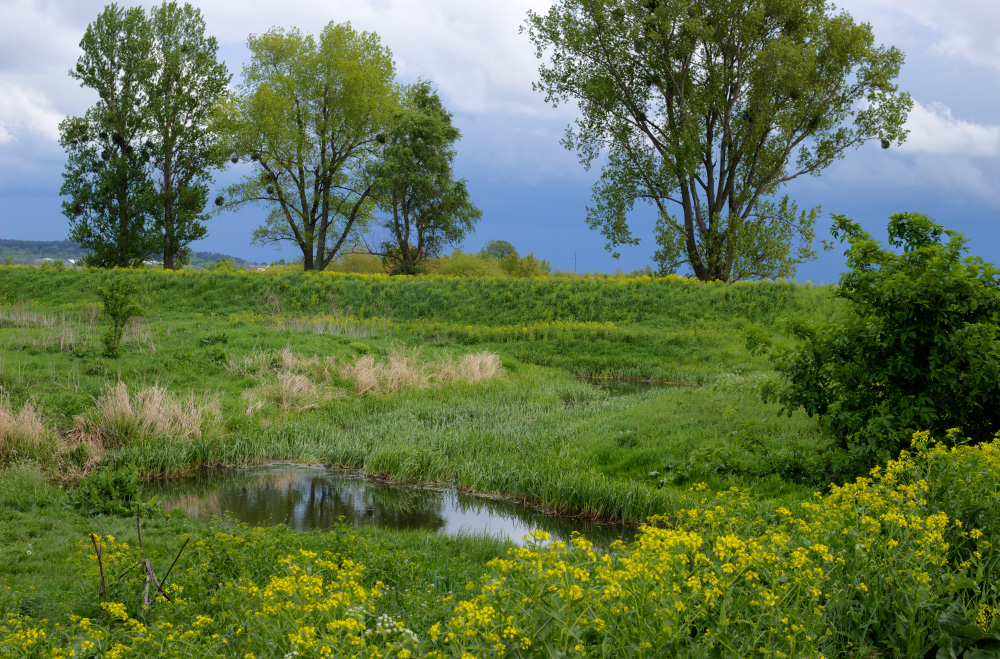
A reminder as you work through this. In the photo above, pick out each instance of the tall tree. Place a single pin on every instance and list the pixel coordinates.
(158, 81)
(111, 201)
(423, 208)
(309, 116)
(707, 108)
(187, 86)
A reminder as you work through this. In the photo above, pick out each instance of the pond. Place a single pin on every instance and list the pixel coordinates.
(628, 387)
(311, 497)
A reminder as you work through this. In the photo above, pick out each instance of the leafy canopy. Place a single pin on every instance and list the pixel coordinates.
(188, 84)
(110, 199)
(422, 207)
(139, 160)
(307, 118)
(705, 109)
(917, 348)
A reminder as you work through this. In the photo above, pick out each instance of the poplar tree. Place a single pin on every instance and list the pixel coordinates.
(140, 160)
(110, 197)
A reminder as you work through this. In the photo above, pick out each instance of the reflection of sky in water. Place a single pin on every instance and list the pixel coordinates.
(304, 497)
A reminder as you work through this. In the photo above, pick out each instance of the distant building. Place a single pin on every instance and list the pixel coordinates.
(257, 266)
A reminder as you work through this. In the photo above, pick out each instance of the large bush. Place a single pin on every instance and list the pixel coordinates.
(916, 348)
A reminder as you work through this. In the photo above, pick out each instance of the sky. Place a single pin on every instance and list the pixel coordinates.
(533, 192)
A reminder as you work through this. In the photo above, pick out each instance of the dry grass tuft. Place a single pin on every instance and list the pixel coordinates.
(363, 373)
(24, 434)
(119, 419)
(292, 392)
(260, 363)
(473, 367)
(402, 370)
(296, 382)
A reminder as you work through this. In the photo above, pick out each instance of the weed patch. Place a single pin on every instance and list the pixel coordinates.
(121, 419)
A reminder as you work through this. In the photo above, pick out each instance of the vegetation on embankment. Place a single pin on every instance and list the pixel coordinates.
(271, 368)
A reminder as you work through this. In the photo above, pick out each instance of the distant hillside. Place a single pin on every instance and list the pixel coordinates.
(30, 251)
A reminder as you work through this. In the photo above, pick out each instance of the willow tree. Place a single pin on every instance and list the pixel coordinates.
(309, 117)
(706, 109)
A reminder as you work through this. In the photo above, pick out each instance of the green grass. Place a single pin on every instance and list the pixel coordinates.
(538, 434)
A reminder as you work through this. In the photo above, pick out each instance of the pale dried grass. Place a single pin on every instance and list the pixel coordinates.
(24, 433)
(119, 418)
(400, 370)
(405, 370)
(472, 367)
(260, 363)
(363, 373)
(297, 382)
(292, 392)
(342, 324)
(139, 334)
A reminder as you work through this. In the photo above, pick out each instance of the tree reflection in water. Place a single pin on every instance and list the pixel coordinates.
(304, 497)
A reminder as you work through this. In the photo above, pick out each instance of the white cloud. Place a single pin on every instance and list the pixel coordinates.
(472, 51)
(966, 30)
(935, 130)
(25, 110)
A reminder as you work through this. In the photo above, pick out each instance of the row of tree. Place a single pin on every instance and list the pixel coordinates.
(342, 155)
(704, 109)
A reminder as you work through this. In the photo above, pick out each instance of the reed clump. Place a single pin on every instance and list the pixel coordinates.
(289, 391)
(297, 382)
(402, 369)
(24, 434)
(120, 418)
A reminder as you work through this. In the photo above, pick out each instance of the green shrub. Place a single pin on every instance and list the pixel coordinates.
(119, 304)
(111, 492)
(514, 265)
(460, 264)
(366, 264)
(916, 349)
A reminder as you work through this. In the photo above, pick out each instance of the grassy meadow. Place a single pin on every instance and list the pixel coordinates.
(491, 385)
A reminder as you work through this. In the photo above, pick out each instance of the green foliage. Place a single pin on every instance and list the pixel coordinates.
(111, 491)
(496, 249)
(309, 165)
(423, 209)
(524, 266)
(353, 262)
(158, 81)
(223, 265)
(877, 567)
(705, 110)
(188, 84)
(461, 264)
(916, 347)
(111, 199)
(119, 305)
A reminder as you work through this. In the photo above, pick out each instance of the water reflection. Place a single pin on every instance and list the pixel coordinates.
(624, 387)
(304, 497)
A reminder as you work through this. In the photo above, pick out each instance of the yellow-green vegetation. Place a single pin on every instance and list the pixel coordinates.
(890, 565)
(471, 382)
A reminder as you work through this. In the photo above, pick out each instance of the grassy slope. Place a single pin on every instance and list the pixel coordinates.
(539, 434)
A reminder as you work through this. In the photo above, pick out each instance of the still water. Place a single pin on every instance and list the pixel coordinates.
(307, 497)
(626, 387)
